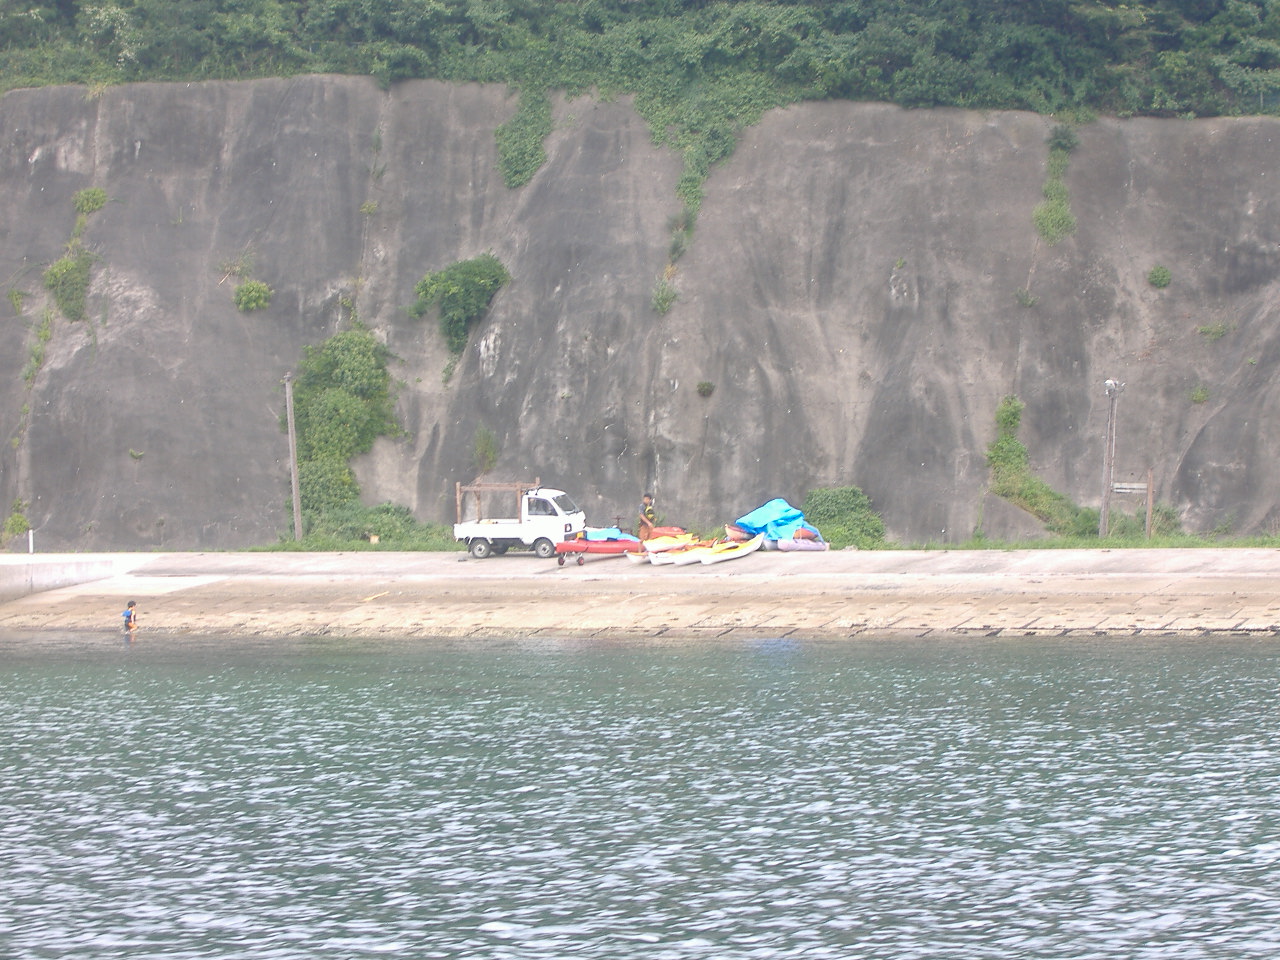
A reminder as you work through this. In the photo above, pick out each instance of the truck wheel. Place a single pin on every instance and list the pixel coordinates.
(544, 548)
(480, 549)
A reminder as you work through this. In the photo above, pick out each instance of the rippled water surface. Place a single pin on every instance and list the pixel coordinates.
(345, 799)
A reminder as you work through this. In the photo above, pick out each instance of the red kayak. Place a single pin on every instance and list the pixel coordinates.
(583, 546)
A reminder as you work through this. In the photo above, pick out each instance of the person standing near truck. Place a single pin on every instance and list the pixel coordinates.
(648, 518)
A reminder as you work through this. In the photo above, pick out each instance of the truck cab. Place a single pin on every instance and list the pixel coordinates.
(543, 517)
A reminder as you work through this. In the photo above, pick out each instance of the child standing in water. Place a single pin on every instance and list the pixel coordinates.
(130, 616)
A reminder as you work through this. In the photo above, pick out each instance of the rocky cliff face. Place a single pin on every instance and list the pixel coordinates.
(851, 293)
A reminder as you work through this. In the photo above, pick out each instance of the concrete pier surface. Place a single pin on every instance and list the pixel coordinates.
(846, 594)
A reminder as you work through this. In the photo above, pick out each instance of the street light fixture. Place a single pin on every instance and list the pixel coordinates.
(1114, 388)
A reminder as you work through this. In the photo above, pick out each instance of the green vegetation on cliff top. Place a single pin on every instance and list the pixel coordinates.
(698, 68)
(700, 71)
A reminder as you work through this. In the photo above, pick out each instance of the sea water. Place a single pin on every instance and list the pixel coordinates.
(931, 799)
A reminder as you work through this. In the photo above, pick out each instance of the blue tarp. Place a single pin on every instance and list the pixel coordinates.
(777, 520)
(607, 533)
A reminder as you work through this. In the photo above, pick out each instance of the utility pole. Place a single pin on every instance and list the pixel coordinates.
(1151, 498)
(293, 457)
(1114, 389)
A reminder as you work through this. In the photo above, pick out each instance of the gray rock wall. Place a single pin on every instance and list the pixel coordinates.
(850, 292)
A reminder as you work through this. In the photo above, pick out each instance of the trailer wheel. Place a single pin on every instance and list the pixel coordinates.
(480, 548)
(581, 559)
(544, 548)
(560, 559)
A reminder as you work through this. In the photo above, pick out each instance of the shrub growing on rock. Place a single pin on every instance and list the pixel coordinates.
(520, 149)
(68, 280)
(91, 200)
(1012, 479)
(253, 295)
(845, 517)
(342, 403)
(463, 292)
(16, 523)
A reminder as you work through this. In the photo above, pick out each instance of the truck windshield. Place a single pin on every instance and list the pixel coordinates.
(566, 504)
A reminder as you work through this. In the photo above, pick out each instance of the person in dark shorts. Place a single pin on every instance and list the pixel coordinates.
(130, 616)
(648, 518)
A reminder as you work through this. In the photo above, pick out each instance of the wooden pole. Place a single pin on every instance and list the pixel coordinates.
(1114, 389)
(293, 457)
(1151, 498)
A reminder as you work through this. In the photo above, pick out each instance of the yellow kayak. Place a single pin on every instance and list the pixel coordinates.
(661, 544)
(731, 549)
(691, 553)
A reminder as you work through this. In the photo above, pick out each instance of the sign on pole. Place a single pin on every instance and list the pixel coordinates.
(1148, 489)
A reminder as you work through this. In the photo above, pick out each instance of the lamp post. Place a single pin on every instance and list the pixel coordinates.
(293, 457)
(1114, 388)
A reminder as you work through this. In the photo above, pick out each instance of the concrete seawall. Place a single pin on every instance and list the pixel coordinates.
(21, 575)
(847, 595)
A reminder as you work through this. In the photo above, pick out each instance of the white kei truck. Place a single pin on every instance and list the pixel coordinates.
(543, 518)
